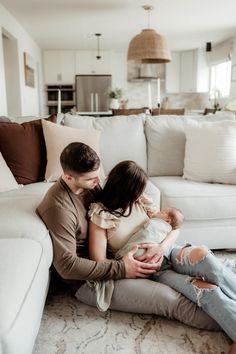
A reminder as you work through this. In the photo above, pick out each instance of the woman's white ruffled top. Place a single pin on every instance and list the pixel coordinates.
(119, 229)
(101, 217)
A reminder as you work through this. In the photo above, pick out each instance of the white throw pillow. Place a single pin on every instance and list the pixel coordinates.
(7, 180)
(210, 152)
(122, 137)
(57, 137)
(165, 145)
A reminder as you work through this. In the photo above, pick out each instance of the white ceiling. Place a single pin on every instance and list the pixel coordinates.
(71, 24)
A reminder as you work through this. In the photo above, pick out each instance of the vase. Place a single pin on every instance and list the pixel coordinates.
(114, 103)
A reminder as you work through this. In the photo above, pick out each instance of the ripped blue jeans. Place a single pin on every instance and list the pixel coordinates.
(190, 264)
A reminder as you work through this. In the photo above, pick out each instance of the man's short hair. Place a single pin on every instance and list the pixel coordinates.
(78, 158)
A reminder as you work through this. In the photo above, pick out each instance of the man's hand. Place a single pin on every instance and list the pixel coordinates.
(137, 269)
(153, 252)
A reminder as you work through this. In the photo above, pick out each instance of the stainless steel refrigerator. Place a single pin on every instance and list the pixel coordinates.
(92, 93)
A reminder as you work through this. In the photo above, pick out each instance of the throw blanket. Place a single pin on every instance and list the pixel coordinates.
(154, 231)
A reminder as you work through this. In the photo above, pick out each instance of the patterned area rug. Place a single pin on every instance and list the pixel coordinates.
(70, 327)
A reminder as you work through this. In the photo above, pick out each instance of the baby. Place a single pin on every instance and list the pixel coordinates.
(154, 231)
(172, 216)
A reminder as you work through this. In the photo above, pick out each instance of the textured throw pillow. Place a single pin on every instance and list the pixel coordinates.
(210, 152)
(7, 180)
(57, 137)
(165, 145)
(23, 148)
(122, 137)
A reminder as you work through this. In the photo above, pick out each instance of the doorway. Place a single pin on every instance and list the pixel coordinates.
(12, 74)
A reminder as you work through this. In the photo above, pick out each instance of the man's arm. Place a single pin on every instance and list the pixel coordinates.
(62, 227)
(72, 267)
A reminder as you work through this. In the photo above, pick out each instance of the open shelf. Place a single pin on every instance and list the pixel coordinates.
(67, 98)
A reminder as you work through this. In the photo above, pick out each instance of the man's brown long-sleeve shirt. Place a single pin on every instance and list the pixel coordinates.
(64, 214)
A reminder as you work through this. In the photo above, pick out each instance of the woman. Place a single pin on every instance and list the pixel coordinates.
(121, 210)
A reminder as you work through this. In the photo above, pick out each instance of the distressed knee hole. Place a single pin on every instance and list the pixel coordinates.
(192, 254)
(197, 254)
(201, 287)
(201, 284)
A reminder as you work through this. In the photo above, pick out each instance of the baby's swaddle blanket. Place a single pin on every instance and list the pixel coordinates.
(153, 231)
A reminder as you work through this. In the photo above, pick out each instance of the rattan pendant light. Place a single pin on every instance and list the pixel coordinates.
(149, 46)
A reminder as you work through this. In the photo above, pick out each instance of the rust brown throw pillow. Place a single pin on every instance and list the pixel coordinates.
(23, 148)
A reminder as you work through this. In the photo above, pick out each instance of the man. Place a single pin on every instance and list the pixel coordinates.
(63, 210)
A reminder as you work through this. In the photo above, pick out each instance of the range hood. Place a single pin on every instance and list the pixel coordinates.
(148, 71)
(145, 72)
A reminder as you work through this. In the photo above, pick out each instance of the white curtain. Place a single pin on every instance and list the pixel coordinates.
(220, 52)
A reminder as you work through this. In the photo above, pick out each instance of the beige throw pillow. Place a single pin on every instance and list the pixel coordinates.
(7, 180)
(210, 152)
(57, 137)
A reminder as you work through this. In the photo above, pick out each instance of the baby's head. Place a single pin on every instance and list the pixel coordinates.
(173, 216)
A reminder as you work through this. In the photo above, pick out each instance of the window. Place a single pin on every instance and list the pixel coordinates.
(220, 79)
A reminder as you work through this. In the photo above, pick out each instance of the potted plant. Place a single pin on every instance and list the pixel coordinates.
(114, 96)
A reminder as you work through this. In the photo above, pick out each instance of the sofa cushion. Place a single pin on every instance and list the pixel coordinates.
(224, 115)
(153, 193)
(57, 137)
(218, 116)
(81, 122)
(24, 280)
(18, 218)
(23, 148)
(197, 201)
(210, 152)
(7, 180)
(122, 137)
(57, 118)
(215, 234)
(165, 145)
(4, 119)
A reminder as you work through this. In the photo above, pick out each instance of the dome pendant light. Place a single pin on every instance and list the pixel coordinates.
(149, 46)
(98, 56)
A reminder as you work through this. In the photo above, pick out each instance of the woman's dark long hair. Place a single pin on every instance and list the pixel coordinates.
(125, 184)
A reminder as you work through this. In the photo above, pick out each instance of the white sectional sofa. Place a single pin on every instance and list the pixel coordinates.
(158, 145)
(25, 259)
(155, 143)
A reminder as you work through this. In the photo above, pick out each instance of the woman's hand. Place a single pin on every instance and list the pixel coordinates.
(137, 269)
(152, 254)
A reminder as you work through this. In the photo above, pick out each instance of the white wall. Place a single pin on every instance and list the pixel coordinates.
(3, 98)
(11, 65)
(30, 97)
(233, 83)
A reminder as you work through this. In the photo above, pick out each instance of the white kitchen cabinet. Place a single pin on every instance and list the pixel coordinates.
(187, 72)
(173, 73)
(87, 63)
(59, 67)
(203, 71)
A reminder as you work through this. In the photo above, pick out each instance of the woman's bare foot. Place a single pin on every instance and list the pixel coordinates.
(233, 348)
